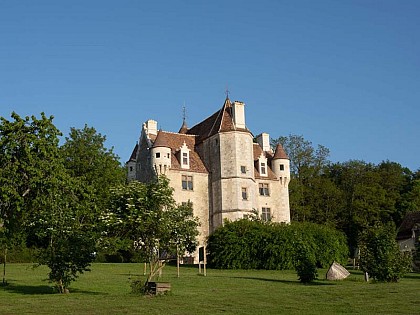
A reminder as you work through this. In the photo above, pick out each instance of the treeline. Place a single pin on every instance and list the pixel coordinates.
(348, 196)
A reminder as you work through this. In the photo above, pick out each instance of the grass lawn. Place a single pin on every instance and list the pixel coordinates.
(106, 290)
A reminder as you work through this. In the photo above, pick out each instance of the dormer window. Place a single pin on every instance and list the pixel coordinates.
(263, 169)
(262, 161)
(184, 156)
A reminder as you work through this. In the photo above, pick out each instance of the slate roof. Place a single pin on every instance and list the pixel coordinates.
(408, 223)
(134, 153)
(184, 127)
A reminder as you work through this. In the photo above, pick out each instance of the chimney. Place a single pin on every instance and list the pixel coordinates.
(264, 141)
(239, 114)
(150, 127)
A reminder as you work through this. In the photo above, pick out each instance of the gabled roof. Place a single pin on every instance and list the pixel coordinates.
(175, 141)
(220, 121)
(408, 223)
(257, 150)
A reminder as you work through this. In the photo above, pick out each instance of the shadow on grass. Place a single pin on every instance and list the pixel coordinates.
(295, 282)
(412, 275)
(42, 289)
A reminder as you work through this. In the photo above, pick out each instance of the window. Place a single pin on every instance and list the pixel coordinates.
(266, 214)
(263, 171)
(244, 193)
(243, 169)
(158, 155)
(131, 168)
(168, 155)
(185, 158)
(187, 182)
(281, 167)
(264, 190)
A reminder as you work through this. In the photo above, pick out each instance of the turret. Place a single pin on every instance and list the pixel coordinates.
(161, 154)
(280, 165)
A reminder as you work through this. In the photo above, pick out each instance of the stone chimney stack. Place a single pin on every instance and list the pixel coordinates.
(150, 127)
(238, 109)
(264, 141)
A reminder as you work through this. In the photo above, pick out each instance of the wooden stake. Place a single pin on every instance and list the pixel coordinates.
(177, 261)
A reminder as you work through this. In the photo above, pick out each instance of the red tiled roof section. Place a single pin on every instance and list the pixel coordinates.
(280, 153)
(409, 221)
(175, 141)
(161, 140)
(220, 121)
(257, 153)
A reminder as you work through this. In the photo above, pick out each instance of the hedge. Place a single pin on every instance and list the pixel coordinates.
(245, 244)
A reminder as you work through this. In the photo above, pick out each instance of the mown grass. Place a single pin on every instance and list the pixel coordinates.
(106, 290)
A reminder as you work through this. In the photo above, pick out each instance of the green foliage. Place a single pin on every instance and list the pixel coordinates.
(304, 261)
(246, 244)
(40, 202)
(380, 255)
(145, 218)
(87, 159)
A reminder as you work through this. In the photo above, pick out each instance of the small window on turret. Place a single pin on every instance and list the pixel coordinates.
(244, 193)
(243, 169)
(158, 155)
(281, 167)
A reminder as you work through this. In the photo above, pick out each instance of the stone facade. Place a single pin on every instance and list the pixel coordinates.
(217, 165)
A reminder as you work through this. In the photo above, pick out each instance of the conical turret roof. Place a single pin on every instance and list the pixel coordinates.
(280, 153)
(184, 127)
(161, 140)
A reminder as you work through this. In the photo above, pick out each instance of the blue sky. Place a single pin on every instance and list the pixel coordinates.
(344, 74)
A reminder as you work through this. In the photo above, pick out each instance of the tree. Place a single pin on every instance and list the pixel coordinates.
(27, 148)
(87, 158)
(307, 165)
(62, 228)
(380, 255)
(304, 261)
(147, 218)
(39, 198)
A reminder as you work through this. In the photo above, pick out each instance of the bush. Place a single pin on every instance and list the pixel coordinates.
(304, 261)
(245, 244)
(380, 255)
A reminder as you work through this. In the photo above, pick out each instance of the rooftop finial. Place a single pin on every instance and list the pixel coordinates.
(184, 127)
(184, 113)
(227, 92)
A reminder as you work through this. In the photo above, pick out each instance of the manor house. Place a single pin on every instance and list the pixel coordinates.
(218, 166)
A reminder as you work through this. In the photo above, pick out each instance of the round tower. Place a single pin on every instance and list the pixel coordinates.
(281, 166)
(161, 154)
